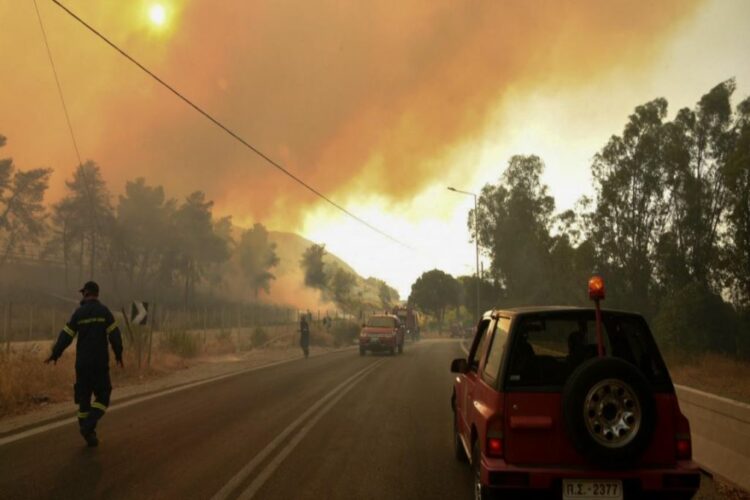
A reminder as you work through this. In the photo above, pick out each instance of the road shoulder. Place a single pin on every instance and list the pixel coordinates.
(208, 369)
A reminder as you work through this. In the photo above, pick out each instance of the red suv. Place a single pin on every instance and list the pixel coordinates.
(383, 332)
(570, 403)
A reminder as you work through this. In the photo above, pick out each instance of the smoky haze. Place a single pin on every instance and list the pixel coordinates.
(347, 95)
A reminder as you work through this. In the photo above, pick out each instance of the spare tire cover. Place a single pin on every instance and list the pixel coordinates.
(609, 411)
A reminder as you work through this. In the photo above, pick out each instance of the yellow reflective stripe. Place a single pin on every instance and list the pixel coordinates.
(111, 328)
(83, 414)
(92, 320)
(70, 332)
(97, 404)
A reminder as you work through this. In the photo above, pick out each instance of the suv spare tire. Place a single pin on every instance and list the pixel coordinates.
(609, 411)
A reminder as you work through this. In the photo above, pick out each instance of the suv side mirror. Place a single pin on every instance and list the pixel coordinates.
(459, 365)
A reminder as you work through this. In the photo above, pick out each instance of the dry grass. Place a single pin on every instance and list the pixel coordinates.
(714, 373)
(26, 383)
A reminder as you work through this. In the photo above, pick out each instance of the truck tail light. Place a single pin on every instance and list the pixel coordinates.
(495, 447)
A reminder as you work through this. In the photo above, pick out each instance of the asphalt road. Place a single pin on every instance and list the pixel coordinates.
(334, 426)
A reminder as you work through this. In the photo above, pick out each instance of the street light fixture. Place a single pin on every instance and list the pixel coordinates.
(476, 239)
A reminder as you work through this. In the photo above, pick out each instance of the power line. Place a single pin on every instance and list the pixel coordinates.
(86, 186)
(57, 81)
(226, 129)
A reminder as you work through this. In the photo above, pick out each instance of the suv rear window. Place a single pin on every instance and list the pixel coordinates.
(381, 322)
(548, 347)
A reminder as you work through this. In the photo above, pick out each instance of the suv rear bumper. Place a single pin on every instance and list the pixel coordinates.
(680, 481)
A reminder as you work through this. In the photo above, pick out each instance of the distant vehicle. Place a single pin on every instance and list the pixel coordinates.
(382, 332)
(410, 318)
(570, 402)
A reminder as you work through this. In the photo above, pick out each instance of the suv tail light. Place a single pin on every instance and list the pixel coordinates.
(495, 446)
(683, 447)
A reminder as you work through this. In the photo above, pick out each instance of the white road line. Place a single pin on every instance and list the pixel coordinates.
(464, 348)
(268, 471)
(248, 469)
(60, 423)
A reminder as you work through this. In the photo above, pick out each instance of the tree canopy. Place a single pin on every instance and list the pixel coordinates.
(434, 292)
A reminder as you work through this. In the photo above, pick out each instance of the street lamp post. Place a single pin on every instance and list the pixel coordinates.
(476, 240)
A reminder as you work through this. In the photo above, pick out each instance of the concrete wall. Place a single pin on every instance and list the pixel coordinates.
(720, 429)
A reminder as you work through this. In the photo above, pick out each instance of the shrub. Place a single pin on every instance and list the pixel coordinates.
(258, 338)
(224, 336)
(181, 343)
(695, 320)
(344, 332)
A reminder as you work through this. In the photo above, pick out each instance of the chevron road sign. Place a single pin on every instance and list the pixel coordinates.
(139, 313)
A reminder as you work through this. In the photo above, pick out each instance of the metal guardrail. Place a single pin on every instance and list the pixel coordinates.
(720, 429)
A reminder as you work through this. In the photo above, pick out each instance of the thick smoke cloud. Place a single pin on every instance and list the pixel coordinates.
(353, 96)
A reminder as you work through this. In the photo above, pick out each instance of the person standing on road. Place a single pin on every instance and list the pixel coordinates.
(304, 335)
(93, 324)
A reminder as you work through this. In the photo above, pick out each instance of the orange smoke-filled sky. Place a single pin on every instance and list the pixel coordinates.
(378, 104)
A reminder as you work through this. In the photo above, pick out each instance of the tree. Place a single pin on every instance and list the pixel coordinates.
(737, 252)
(21, 211)
(257, 256)
(631, 208)
(694, 319)
(514, 219)
(490, 294)
(84, 218)
(313, 266)
(388, 296)
(197, 245)
(143, 233)
(572, 256)
(697, 147)
(340, 285)
(434, 292)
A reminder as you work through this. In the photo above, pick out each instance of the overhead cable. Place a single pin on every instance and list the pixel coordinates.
(229, 131)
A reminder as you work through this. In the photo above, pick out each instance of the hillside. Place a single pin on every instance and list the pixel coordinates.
(288, 287)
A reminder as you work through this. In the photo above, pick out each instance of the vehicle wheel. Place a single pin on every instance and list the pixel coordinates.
(481, 492)
(362, 351)
(400, 348)
(458, 447)
(609, 411)
(393, 351)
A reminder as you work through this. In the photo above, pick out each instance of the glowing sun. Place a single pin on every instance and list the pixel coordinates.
(157, 14)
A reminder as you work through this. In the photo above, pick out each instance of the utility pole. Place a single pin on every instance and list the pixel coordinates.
(476, 244)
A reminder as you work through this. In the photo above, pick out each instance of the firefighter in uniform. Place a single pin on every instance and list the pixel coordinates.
(304, 336)
(93, 324)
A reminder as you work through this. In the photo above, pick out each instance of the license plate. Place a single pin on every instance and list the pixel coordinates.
(374, 340)
(585, 489)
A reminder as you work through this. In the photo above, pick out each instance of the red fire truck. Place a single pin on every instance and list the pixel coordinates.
(410, 318)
